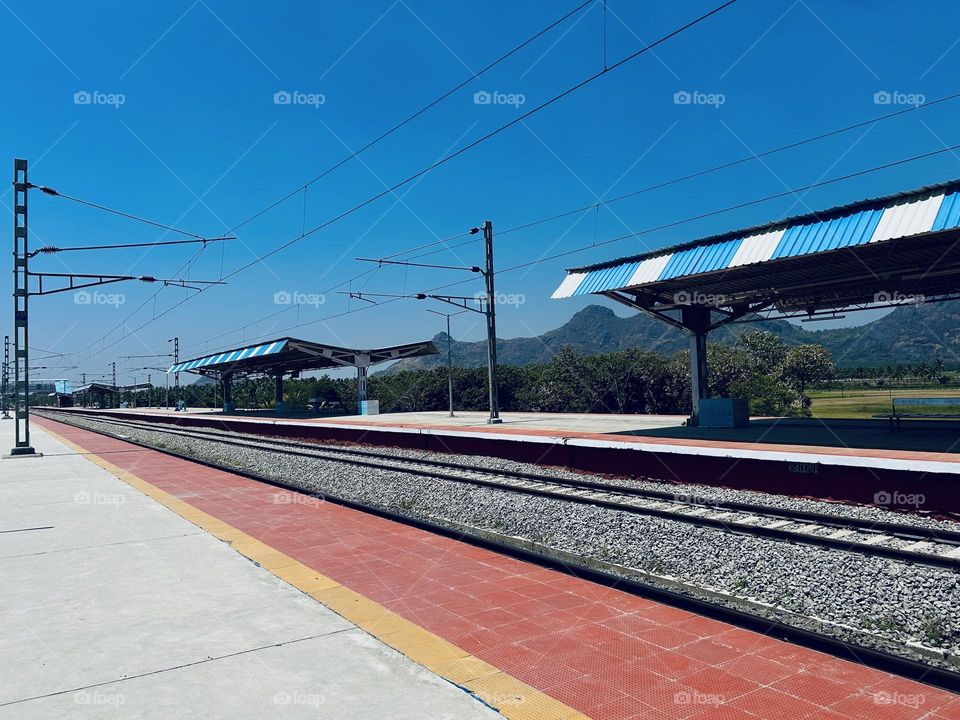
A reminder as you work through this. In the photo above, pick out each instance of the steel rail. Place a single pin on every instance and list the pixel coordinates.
(616, 497)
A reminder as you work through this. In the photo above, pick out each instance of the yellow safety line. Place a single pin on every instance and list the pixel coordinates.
(514, 699)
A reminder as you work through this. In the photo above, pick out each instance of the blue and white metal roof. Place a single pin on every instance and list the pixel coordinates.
(886, 219)
(230, 356)
(292, 355)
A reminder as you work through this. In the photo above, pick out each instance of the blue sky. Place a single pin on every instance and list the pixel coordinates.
(183, 128)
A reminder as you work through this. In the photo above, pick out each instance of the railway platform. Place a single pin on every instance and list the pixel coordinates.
(529, 641)
(115, 605)
(850, 461)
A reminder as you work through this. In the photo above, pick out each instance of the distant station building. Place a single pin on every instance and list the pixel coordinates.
(874, 253)
(289, 356)
(63, 392)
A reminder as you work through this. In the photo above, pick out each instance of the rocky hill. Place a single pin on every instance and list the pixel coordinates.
(914, 333)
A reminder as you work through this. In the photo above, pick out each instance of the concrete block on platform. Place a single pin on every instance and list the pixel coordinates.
(724, 413)
(369, 407)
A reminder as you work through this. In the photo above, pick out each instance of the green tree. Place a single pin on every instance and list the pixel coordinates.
(767, 351)
(726, 366)
(767, 395)
(806, 365)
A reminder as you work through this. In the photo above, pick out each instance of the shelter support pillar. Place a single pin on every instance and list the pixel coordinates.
(227, 381)
(363, 363)
(696, 320)
(279, 405)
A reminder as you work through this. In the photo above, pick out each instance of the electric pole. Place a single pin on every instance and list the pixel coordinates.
(6, 377)
(21, 339)
(491, 315)
(487, 306)
(176, 375)
(76, 281)
(113, 395)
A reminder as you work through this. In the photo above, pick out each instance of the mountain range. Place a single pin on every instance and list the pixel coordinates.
(908, 334)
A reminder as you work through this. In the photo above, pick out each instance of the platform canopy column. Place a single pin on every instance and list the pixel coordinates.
(278, 391)
(362, 363)
(696, 321)
(227, 381)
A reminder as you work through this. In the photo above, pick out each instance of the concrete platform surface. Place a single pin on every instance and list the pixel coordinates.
(536, 643)
(115, 606)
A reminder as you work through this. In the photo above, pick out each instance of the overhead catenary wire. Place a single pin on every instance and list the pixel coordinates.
(429, 244)
(487, 136)
(729, 208)
(656, 186)
(152, 298)
(739, 206)
(680, 179)
(113, 211)
(457, 153)
(195, 238)
(430, 105)
(379, 138)
(49, 249)
(390, 297)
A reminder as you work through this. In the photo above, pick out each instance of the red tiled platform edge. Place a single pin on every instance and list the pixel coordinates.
(606, 653)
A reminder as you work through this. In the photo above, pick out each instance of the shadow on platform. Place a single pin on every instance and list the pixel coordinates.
(918, 435)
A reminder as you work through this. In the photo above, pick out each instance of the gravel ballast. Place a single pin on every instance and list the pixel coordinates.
(888, 604)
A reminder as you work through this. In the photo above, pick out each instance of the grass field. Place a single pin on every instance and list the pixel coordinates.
(864, 403)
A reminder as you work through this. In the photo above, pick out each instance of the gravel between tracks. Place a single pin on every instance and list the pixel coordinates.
(704, 493)
(882, 602)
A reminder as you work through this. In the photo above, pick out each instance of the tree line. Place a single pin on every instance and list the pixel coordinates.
(758, 367)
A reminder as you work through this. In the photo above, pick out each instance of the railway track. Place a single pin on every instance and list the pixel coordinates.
(910, 543)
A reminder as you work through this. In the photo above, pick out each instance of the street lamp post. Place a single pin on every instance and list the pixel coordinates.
(449, 356)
